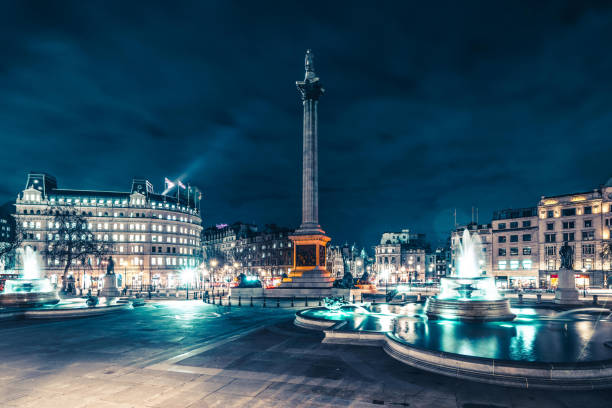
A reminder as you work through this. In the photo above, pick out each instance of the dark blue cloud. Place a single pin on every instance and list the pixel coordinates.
(429, 107)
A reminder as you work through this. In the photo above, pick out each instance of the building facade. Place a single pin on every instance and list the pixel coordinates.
(245, 248)
(515, 254)
(346, 258)
(522, 245)
(583, 220)
(153, 237)
(400, 257)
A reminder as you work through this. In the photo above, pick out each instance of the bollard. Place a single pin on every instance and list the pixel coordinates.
(277, 302)
(264, 301)
(520, 298)
(374, 301)
(306, 301)
(594, 299)
(539, 298)
(239, 300)
(229, 301)
(292, 300)
(251, 301)
(419, 297)
(353, 298)
(319, 300)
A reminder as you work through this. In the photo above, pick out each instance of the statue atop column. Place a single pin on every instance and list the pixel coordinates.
(567, 256)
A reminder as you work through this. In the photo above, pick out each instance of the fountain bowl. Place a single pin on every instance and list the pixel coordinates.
(470, 299)
(28, 293)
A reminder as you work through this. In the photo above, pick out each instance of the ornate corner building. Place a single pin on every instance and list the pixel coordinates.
(153, 237)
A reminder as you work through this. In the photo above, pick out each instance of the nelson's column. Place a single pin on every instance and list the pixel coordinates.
(308, 275)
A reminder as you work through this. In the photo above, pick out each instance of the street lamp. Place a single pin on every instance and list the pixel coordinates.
(186, 276)
(213, 264)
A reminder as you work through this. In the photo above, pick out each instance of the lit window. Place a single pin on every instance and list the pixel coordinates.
(502, 264)
(514, 264)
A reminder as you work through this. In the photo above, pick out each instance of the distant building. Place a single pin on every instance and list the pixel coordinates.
(245, 248)
(442, 262)
(515, 247)
(400, 257)
(522, 245)
(583, 220)
(346, 258)
(153, 236)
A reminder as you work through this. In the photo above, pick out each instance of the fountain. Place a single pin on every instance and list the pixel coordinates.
(468, 331)
(468, 295)
(30, 289)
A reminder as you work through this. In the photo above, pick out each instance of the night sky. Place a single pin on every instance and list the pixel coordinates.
(428, 107)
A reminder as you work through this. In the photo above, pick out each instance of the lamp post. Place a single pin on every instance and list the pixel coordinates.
(213, 264)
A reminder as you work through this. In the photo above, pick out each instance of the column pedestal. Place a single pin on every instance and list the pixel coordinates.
(566, 293)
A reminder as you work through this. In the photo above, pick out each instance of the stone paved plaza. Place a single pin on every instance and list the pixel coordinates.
(190, 354)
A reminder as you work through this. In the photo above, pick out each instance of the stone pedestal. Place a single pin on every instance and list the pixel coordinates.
(110, 287)
(566, 293)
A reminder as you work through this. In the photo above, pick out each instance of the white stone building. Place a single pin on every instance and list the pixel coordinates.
(154, 237)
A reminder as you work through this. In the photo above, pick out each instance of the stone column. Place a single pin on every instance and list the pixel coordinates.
(310, 90)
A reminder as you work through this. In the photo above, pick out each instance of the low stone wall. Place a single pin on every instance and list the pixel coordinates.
(246, 293)
(562, 376)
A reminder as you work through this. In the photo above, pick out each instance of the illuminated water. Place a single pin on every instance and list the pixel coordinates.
(30, 280)
(541, 335)
(468, 283)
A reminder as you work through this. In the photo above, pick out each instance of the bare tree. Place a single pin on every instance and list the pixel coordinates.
(71, 242)
(8, 248)
(606, 251)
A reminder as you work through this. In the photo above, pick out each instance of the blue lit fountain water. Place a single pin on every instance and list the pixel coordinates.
(470, 331)
(30, 289)
(469, 295)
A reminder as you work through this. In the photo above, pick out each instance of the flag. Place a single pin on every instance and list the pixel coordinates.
(169, 184)
(181, 185)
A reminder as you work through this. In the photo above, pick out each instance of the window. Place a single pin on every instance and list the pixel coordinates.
(527, 263)
(513, 238)
(501, 251)
(568, 236)
(588, 249)
(526, 237)
(527, 251)
(526, 224)
(501, 225)
(153, 249)
(588, 235)
(550, 250)
(568, 224)
(513, 251)
(588, 210)
(568, 212)
(501, 264)
(588, 223)
(514, 264)
(550, 214)
(550, 226)
(514, 224)
(550, 237)
(501, 239)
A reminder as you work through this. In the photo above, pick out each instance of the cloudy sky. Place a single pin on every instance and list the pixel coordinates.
(430, 106)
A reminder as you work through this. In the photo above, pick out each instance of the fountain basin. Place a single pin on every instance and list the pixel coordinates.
(540, 348)
(521, 374)
(28, 293)
(472, 310)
